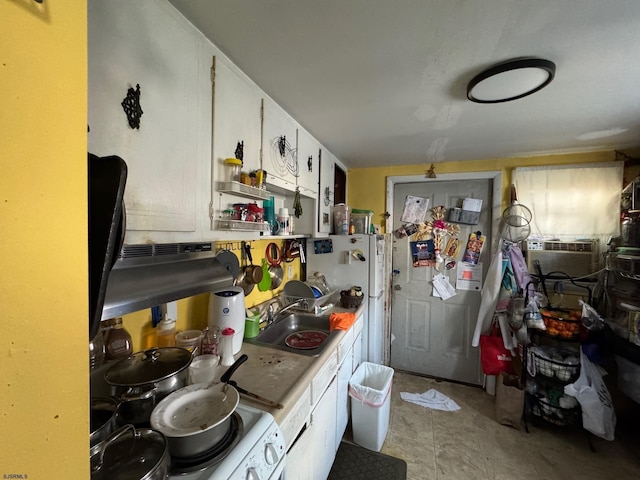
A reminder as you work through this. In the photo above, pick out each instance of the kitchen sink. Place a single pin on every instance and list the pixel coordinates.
(276, 334)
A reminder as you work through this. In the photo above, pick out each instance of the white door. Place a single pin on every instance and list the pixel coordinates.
(431, 336)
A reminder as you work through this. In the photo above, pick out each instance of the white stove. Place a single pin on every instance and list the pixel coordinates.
(257, 451)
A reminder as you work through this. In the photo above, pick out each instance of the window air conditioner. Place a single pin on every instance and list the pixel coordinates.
(576, 258)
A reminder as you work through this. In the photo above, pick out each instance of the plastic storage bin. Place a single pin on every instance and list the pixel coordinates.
(362, 220)
(370, 390)
(340, 219)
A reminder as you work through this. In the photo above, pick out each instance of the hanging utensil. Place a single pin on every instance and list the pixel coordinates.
(274, 256)
(254, 271)
(265, 283)
(243, 279)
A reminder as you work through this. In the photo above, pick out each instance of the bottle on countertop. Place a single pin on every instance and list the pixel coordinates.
(352, 227)
(210, 341)
(226, 347)
(166, 333)
(117, 341)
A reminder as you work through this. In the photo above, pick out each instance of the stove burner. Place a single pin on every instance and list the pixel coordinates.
(184, 465)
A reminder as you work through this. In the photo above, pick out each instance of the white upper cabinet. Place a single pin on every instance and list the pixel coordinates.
(279, 147)
(309, 171)
(168, 154)
(236, 118)
(325, 193)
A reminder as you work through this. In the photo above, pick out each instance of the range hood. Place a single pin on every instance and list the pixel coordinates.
(151, 274)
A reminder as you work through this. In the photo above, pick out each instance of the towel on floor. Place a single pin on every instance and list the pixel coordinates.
(431, 399)
(341, 321)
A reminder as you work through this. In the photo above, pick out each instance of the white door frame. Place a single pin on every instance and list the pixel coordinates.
(496, 215)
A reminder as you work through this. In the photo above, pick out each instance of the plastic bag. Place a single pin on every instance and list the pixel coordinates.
(590, 318)
(371, 383)
(532, 313)
(598, 415)
(494, 356)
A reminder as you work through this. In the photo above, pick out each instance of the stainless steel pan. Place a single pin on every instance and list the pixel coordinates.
(274, 257)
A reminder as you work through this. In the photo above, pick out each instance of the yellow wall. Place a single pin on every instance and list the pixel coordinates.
(366, 187)
(44, 388)
(193, 312)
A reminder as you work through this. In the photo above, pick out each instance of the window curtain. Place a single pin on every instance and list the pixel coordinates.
(572, 201)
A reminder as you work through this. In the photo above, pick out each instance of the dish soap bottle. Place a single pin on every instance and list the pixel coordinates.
(166, 334)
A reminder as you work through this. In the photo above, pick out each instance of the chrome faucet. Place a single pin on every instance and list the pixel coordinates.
(274, 316)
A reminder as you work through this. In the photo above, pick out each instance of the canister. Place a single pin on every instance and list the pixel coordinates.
(232, 169)
(340, 219)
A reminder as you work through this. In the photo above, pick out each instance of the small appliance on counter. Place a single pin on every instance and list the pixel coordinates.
(226, 310)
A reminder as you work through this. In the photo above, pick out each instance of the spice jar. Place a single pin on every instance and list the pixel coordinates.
(255, 213)
(241, 211)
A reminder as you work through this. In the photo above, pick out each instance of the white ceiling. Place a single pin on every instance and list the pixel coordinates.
(383, 82)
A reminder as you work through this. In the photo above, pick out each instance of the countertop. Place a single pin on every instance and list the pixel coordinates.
(281, 376)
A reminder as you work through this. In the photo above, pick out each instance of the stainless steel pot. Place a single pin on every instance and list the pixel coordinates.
(195, 418)
(144, 378)
(104, 411)
(131, 453)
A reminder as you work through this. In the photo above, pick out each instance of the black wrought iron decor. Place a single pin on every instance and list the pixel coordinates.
(131, 106)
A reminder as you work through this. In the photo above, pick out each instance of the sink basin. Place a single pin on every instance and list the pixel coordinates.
(276, 334)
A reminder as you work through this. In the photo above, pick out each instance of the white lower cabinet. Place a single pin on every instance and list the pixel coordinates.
(318, 434)
(342, 402)
(323, 434)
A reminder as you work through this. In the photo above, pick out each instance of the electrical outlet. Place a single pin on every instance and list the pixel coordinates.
(289, 271)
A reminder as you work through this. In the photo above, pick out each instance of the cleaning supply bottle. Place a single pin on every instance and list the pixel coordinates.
(166, 333)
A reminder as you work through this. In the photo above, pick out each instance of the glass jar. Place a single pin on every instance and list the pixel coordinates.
(240, 211)
(255, 213)
(210, 340)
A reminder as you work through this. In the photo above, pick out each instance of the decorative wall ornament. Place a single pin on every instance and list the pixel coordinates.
(131, 106)
(239, 153)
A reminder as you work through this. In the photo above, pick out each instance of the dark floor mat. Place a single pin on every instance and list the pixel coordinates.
(357, 463)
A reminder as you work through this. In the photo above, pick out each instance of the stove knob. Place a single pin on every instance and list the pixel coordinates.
(252, 474)
(271, 454)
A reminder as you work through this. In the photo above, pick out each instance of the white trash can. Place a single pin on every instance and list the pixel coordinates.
(370, 391)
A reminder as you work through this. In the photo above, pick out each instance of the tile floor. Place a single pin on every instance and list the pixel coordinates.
(470, 444)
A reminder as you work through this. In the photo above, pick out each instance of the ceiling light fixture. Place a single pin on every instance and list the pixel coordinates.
(511, 80)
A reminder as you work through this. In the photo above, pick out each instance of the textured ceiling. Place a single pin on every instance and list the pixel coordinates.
(384, 82)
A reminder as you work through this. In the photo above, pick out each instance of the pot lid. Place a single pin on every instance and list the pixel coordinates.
(150, 366)
(129, 453)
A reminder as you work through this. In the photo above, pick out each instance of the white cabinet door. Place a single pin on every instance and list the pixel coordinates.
(299, 464)
(308, 151)
(323, 433)
(237, 118)
(325, 193)
(342, 403)
(169, 153)
(279, 147)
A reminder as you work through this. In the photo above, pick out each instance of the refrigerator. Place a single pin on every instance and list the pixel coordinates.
(362, 260)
